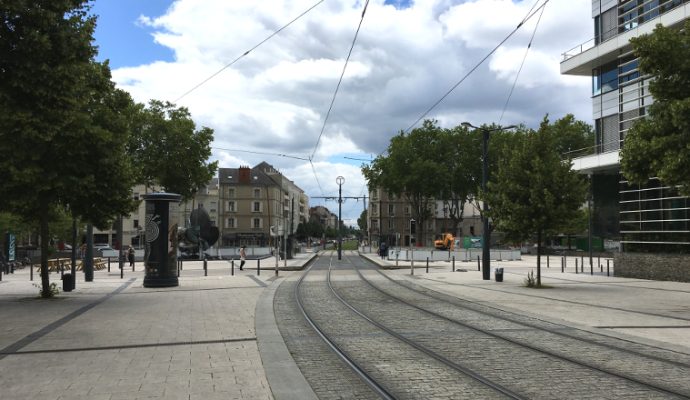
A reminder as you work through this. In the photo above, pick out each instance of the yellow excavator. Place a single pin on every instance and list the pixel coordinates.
(447, 242)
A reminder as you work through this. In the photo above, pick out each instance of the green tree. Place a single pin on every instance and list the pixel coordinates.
(659, 145)
(573, 137)
(362, 222)
(169, 151)
(411, 169)
(534, 192)
(56, 147)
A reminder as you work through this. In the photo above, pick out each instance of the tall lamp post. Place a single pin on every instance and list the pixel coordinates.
(486, 235)
(340, 180)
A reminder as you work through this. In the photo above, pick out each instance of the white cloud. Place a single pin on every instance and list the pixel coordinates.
(275, 99)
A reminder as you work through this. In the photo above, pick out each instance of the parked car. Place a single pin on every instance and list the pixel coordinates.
(104, 250)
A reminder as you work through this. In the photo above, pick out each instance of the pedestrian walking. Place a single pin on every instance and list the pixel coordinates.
(130, 256)
(243, 257)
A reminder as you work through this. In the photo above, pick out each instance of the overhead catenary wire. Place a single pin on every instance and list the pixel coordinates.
(261, 153)
(247, 52)
(439, 101)
(529, 45)
(335, 93)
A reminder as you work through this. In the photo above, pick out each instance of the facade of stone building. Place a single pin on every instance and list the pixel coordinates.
(257, 204)
(390, 219)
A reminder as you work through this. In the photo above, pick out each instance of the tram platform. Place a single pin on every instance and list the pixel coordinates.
(215, 336)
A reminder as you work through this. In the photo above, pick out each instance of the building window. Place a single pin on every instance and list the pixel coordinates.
(257, 193)
(231, 223)
(231, 193)
(135, 223)
(391, 224)
(607, 134)
(231, 206)
(256, 223)
(256, 207)
(407, 210)
(606, 25)
(605, 79)
(391, 210)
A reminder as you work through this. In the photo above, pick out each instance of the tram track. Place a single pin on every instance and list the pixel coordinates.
(561, 331)
(456, 375)
(371, 306)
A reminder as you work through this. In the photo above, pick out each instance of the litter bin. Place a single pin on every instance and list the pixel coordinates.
(67, 282)
(499, 274)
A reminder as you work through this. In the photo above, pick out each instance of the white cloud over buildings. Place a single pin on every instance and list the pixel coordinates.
(275, 99)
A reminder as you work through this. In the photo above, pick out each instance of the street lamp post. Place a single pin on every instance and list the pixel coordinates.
(486, 234)
(340, 180)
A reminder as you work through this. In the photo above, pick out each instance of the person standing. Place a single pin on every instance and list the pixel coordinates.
(130, 256)
(243, 257)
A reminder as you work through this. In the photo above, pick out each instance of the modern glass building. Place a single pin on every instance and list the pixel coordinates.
(642, 218)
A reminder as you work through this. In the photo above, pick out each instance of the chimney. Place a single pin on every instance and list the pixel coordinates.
(245, 174)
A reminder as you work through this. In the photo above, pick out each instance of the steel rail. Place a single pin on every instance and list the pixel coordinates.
(366, 378)
(518, 343)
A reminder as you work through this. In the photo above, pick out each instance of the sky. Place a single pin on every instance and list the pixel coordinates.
(271, 104)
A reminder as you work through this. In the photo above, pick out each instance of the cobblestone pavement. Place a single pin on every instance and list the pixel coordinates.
(533, 374)
(114, 339)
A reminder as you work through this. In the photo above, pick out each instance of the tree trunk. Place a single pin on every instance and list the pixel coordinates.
(45, 240)
(539, 258)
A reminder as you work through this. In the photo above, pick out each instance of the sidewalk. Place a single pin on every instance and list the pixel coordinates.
(114, 339)
(652, 312)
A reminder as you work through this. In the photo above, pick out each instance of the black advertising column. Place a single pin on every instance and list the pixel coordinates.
(160, 258)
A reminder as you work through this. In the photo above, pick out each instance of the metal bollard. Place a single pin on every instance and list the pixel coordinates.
(411, 266)
(397, 255)
(205, 268)
(591, 267)
(453, 263)
(232, 267)
(562, 264)
(285, 264)
(427, 265)
(547, 261)
(122, 272)
(32, 272)
(108, 264)
(576, 265)
(479, 266)
(258, 267)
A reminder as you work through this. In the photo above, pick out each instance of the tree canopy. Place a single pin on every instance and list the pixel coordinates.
(169, 151)
(60, 136)
(659, 145)
(534, 192)
(411, 169)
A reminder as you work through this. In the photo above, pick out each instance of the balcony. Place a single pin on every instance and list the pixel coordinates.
(583, 58)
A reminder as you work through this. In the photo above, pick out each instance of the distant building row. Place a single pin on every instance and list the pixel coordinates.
(247, 204)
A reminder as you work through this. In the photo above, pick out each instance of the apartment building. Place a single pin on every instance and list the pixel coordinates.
(644, 218)
(323, 216)
(390, 220)
(256, 204)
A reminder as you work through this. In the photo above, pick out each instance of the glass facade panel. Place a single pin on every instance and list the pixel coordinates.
(605, 79)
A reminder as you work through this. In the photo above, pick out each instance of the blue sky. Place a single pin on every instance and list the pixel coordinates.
(122, 39)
